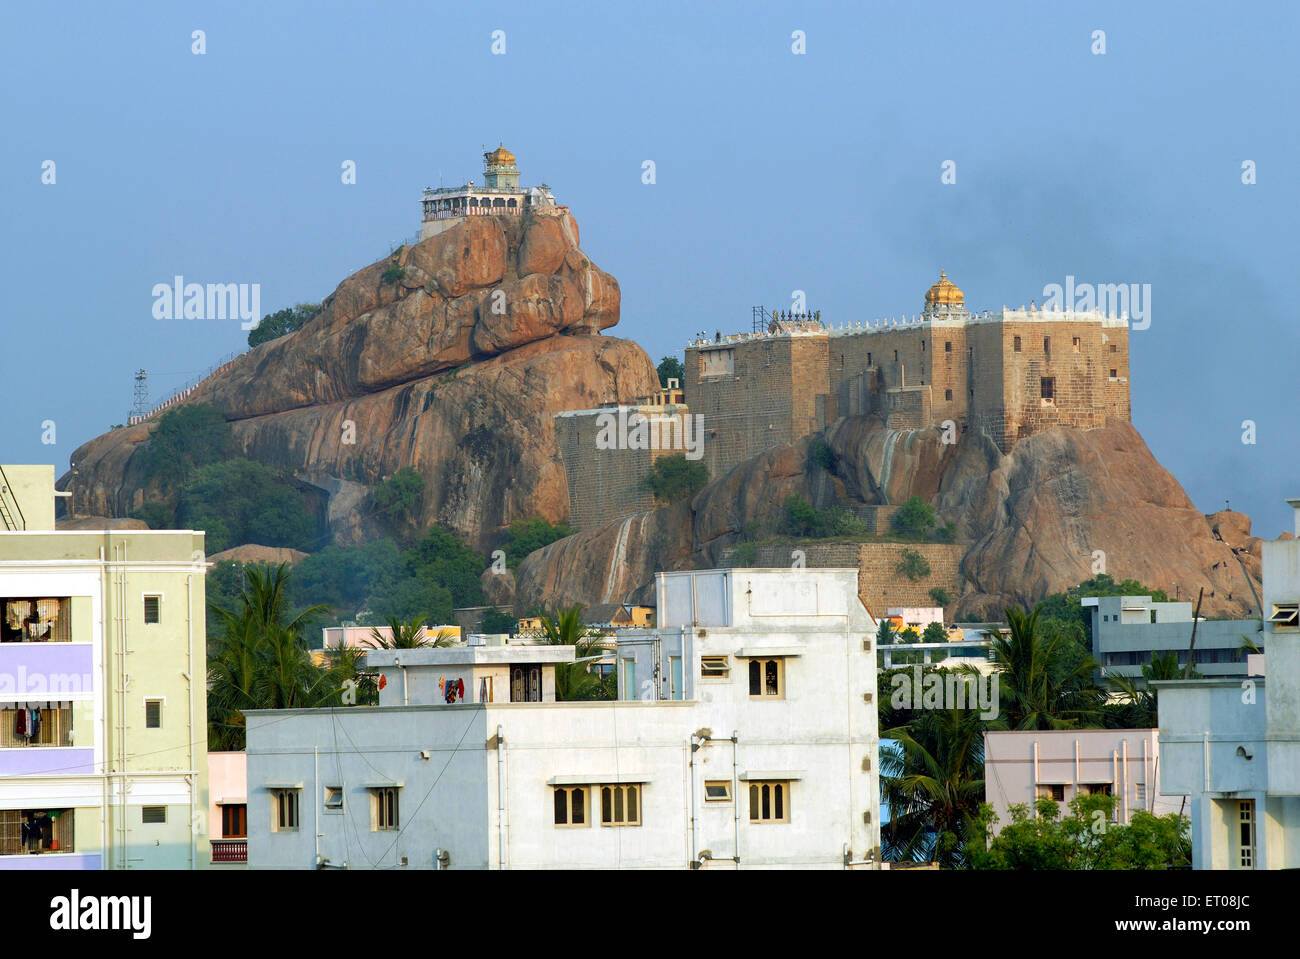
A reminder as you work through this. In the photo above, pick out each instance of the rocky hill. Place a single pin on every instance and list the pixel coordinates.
(451, 356)
(1034, 521)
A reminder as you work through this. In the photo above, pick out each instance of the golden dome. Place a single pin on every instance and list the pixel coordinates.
(944, 293)
(499, 157)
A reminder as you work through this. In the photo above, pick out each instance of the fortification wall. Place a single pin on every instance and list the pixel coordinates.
(880, 585)
(756, 394)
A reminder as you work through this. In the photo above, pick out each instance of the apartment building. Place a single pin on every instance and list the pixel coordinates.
(103, 707)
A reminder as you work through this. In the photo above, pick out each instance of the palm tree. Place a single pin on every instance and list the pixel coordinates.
(410, 634)
(932, 782)
(1041, 685)
(1140, 695)
(574, 681)
(260, 660)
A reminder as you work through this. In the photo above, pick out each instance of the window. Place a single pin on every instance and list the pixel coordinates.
(629, 678)
(895, 356)
(1140, 795)
(1015, 344)
(620, 805)
(153, 713)
(1112, 347)
(1246, 844)
(1153, 615)
(1285, 616)
(717, 791)
(1047, 384)
(1074, 342)
(571, 806)
(42, 830)
(1114, 374)
(714, 667)
(485, 689)
(234, 821)
(868, 359)
(947, 395)
(334, 797)
(284, 810)
(152, 609)
(153, 815)
(1052, 791)
(947, 346)
(1095, 789)
(769, 802)
(766, 679)
(676, 689)
(383, 808)
(1047, 345)
(923, 346)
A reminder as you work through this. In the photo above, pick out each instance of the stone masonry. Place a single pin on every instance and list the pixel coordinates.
(1009, 374)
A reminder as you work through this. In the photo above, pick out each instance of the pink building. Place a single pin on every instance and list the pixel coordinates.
(228, 807)
(1061, 764)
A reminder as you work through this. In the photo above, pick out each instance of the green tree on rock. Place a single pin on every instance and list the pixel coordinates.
(675, 478)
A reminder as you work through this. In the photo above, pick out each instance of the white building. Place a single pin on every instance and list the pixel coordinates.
(1233, 744)
(744, 736)
(1022, 766)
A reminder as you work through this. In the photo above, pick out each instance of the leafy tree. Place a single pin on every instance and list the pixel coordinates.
(396, 500)
(947, 532)
(940, 596)
(909, 635)
(801, 518)
(276, 325)
(443, 559)
(932, 781)
(187, 438)
(821, 455)
(241, 501)
(496, 621)
(344, 577)
(1085, 839)
(528, 535)
(744, 554)
(157, 515)
(674, 478)
(886, 635)
(392, 273)
(934, 633)
(1043, 683)
(413, 597)
(912, 565)
(670, 368)
(575, 681)
(914, 517)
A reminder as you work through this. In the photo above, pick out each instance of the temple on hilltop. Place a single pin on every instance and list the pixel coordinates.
(500, 193)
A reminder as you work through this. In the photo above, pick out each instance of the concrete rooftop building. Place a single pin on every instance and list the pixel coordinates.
(744, 736)
(1233, 744)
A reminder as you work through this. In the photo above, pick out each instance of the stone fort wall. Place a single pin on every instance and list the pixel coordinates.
(1009, 375)
(880, 585)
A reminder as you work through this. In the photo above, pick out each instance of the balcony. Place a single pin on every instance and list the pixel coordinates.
(230, 850)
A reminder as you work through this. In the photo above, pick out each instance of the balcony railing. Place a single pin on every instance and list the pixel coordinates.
(230, 850)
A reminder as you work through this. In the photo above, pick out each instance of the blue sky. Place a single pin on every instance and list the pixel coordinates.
(774, 172)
